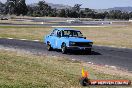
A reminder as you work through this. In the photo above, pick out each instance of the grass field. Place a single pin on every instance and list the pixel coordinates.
(110, 36)
(24, 70)
(30, 33)
(119, 36)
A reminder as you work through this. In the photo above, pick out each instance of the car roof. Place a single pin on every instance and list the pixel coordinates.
(66, 29)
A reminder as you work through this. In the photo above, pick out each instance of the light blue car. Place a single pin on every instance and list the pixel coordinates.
(67, 39)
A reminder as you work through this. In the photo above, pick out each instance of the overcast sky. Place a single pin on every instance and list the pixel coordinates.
(93, 4)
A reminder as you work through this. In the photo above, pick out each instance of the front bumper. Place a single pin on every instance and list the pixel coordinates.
(78, 48)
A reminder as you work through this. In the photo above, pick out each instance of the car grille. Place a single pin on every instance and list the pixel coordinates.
(83, 44)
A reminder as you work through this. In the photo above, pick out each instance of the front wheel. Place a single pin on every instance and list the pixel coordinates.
(49, 48)
(64, 49)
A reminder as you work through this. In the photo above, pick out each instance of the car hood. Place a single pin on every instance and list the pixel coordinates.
(76, 39)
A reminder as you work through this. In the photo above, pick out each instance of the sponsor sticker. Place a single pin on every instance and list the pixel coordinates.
(85, 81)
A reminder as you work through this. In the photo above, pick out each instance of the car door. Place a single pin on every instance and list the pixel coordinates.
(57, 39)
(52, 38)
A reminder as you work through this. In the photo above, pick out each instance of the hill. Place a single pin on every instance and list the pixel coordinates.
(123, 9)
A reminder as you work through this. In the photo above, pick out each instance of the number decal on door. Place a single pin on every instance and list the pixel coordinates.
(56, 42)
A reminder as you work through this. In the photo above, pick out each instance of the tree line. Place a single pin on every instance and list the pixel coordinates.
(41, 9)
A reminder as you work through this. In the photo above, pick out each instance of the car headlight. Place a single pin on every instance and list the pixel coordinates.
(72, 43)
(91, 43)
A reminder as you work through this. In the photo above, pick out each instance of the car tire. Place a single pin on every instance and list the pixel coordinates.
(49, 48)
(63, 49)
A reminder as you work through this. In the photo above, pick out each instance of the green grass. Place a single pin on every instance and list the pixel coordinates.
(30, 33)
(32, 71)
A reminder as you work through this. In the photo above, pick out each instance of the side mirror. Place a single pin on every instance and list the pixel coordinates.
(84, 37)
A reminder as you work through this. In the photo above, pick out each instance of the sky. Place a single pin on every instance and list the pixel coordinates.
(93, 4)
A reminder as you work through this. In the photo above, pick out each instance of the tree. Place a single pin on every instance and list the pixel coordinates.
(99, 16)
(115, 14)
(10, 6)
(82, 15)
(89, 13)
(21, 8)
(53, 12)
(68, 12)
(30, 10)
(106, 15)
(76, 9)
(124, 16)
(2, 8)
(62, 13)
(16, 7)
(41, 9)
(44, 9)
(130, 15)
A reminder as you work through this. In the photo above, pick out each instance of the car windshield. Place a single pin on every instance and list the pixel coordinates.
(71, 33)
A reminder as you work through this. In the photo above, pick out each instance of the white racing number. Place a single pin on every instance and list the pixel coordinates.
(56, 42)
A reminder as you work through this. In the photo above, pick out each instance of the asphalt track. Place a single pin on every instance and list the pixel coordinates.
(106, 56)
(57, 24)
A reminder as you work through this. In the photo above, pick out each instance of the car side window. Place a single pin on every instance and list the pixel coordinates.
(59, 34)
(54, 33)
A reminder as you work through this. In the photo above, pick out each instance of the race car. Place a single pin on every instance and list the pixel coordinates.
(67, 39)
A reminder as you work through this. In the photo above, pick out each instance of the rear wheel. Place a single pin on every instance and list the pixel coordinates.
(49, 48)
(63, 48)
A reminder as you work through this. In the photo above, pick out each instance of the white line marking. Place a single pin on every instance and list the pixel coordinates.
(89, 62)
(23, 39)
(112, 46)
(36, 40)
(79, 26)
(73, 59)
(106, 65)
(110, 66)
(7, 49)
(9, 38)
(113, 66)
